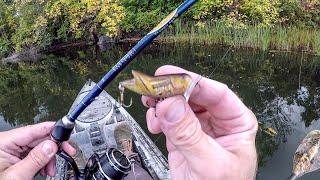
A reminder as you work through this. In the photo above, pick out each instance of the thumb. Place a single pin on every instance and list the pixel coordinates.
(37, 158)
(183, 129)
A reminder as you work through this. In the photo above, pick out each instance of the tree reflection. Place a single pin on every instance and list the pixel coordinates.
(37, 92)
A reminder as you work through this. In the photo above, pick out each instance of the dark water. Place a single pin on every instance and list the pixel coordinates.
(281, 88)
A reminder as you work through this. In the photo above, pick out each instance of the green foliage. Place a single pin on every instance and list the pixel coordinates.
(84, 18)
(212, 9)
(40, 23)
(5, 46)
(143, 15)
(316, 42)
(31, 29)
(263, 12)
(6, 27)
(300, 13)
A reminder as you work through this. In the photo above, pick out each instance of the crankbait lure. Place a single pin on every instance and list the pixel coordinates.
(158, 86)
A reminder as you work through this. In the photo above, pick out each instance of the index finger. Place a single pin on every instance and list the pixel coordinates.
(25, 135)
(216, 97)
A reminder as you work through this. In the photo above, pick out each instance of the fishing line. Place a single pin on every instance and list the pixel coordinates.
(219, 63)
(158, 138)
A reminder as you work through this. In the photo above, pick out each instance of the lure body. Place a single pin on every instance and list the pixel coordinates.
(157, 86)
(307, 156)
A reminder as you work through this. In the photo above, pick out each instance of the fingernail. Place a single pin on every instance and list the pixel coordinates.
(47, 148)
(175, 111)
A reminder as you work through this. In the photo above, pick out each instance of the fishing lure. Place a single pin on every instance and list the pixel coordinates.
(158, 86)
(307, 156)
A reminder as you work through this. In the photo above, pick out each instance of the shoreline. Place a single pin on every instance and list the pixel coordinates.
(251, 38)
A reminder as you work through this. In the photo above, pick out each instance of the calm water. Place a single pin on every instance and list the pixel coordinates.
(281, 88)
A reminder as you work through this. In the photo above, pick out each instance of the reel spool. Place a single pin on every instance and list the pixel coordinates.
(113, 165)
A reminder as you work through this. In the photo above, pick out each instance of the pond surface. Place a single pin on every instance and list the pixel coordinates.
(282, 89)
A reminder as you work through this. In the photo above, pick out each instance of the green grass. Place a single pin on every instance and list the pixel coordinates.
(252, 36)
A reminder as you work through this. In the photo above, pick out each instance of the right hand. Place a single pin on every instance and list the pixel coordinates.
(211, 137)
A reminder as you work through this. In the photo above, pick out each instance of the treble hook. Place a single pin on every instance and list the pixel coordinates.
(121, 101)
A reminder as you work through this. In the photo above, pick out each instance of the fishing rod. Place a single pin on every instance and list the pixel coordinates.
(64, 127)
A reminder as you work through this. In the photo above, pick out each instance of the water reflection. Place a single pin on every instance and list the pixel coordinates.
(282, 89)
(3, 124)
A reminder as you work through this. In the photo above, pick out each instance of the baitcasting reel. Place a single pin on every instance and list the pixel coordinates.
(113, 165)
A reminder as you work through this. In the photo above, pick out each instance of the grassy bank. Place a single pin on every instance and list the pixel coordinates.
(251, 36)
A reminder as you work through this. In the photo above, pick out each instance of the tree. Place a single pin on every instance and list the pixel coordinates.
(7, 25)
(40, 23)
(84, 18)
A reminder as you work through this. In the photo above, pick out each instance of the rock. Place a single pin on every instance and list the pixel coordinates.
(105, 43)
(103, 40)
(30, 55)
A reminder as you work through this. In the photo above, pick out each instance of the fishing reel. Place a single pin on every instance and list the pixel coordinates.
(112, 165)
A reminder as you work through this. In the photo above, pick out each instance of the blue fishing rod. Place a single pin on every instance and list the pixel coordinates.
(64, 127)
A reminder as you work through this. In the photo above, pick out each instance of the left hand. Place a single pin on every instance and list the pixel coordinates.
(26, 151)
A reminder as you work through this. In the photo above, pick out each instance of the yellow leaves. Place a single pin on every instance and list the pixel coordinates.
(40, 22)
(84, 16)
(20, 4)
(260, 11)
(211, 8)
(271, 131)
(239, 13)
(54, 10)
(81, 68)
(201, 24)
(235, 20)
(92, 5)
(110, 15)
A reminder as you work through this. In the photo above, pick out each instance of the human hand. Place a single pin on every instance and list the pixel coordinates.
(25, 151)
(211, 137)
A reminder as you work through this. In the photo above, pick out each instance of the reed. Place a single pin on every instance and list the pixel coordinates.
(316, 42)
(250, 36)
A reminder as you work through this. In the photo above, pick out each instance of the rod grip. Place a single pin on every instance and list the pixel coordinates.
(61, 131)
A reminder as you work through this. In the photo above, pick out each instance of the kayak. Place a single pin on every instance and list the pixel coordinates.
(105, 124)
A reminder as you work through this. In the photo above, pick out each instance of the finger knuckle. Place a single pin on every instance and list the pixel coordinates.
(37, 159)
(188, 133)
(46, 128)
